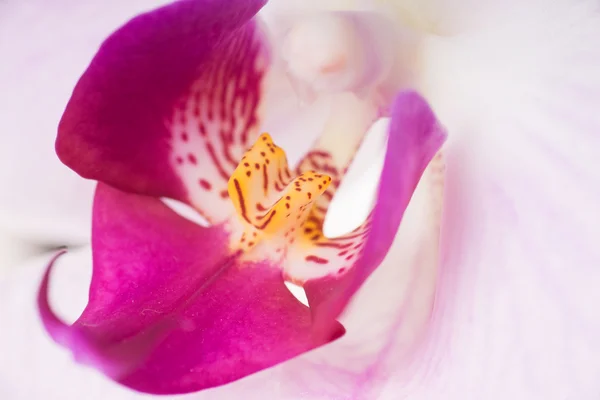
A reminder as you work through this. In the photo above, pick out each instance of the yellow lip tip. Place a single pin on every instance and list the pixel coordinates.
(263, 175)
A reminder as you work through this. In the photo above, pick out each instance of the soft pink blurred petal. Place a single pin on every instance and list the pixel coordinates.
(516, 312)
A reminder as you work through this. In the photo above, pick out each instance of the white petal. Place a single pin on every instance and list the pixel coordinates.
(516, 311)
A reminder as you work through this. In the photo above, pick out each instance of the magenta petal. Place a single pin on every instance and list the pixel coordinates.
(413, 139)
(115, 127)
(170, 309)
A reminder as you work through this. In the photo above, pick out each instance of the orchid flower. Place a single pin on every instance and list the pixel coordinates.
(514, 315)
(171, 106)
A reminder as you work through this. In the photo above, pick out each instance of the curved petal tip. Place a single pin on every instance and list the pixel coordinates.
(53, 324)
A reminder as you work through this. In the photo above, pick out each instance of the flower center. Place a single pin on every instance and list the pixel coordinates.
(267, 200)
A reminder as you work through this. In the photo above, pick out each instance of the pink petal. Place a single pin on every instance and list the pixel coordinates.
(169, 103)
(414, 138)
(170, 309)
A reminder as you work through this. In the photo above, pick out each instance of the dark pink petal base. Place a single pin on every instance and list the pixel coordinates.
(170, 310)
